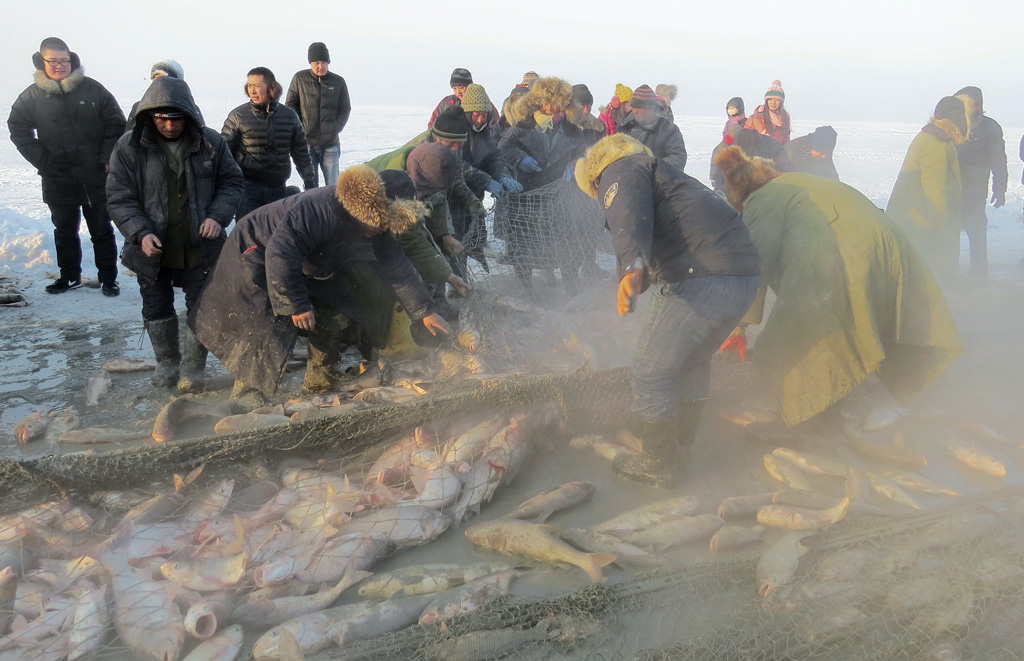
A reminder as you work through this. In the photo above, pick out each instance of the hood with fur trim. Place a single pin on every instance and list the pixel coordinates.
(51, 86)
(545, 90)
(606, 151)
(363, 194)
(743, 175)
(948, 127)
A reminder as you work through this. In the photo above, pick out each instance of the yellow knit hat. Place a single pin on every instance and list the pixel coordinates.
(623, 92)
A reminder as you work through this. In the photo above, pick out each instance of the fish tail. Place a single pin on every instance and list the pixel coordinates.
(594, 563)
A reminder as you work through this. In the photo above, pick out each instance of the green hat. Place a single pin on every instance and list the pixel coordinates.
(475, 99)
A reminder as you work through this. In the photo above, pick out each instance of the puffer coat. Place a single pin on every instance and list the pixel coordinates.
(261, 138)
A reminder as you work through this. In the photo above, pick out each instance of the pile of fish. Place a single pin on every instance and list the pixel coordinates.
(12, 293)
(165, 569)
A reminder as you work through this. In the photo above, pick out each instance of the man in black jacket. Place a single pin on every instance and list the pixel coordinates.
(321, 99)
(261, 135)
(670, 231)
(647, 123)
(65, 125)
(983, 153)
(173, 189)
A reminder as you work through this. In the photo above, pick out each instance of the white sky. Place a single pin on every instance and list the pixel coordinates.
(867, 60)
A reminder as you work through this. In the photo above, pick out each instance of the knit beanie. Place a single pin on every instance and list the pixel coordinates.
(398, 185)
(318, 52)
(824, 139)
(667, 92)
(736, 102)
(432, 168)
(952, 108)
(775, 91)
(529, 77)
(451, 125)
(166, 67)
(623, 92)
(973, 93)
(475, 99)
(644, 97)
(460, 76)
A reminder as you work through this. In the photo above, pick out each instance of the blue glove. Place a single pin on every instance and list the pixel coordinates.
(511, 185)
(494, 188)
(568, 174)
(529, 164)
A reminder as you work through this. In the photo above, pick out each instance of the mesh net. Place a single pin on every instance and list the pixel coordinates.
(133, 553)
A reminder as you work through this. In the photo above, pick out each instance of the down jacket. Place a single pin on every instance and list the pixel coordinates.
(261, 138)
(323, 105)
(66, 130)
(137, 184)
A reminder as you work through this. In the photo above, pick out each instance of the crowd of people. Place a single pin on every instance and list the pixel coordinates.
(390, 240)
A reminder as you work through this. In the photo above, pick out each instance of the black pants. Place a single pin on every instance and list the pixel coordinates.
(67, 218)
(158, 294)
(975, 223)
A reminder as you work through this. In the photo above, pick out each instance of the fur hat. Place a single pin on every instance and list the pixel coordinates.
(667, 92)
(606, 151)
(432, 168)
(552, 90)
(363, 194)
(775, 91)
(451, 125)
(623, 92)
(644, 97)
(743, 175)
(460, 76)
(167, 67)
(318, 52)
(951, 116)
(475, 99)
(582, 95)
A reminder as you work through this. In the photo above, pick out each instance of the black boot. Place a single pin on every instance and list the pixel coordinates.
(193, 364)
(656, 465)
(163, 335)
(685, 429)
(322, 373)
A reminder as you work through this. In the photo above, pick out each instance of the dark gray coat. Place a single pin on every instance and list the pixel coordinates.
(276, 261)
(323, 105)
(982, 154)
(261, 138)
(137, 184)
(665, 140)
(554, 150)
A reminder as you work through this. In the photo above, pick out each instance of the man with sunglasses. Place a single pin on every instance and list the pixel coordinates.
(65, 125)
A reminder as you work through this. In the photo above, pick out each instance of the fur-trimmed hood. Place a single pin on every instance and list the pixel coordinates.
(363, 194)
(543, 90)
(950, 129)
(51, 86)
(606, 151)
(743, 175)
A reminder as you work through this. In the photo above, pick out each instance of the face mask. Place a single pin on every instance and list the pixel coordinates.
(544, 122)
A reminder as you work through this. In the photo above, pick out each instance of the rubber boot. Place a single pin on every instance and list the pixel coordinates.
(163, 335)
(686, 425)
(322, 374)
(657, 464)
(248, 396)
(193, 364)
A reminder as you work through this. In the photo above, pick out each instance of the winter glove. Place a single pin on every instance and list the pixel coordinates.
(998, 200)
(529, 164)
(494, 188)
(737, 340)
(629, 291)
(511, 185)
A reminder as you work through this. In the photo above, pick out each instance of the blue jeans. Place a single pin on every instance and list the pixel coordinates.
(256, 195)
(326, 159)
(685, 324)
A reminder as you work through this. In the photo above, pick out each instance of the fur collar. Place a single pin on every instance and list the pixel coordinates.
(743, 175)
(544, 90)
(601, 155)
(950, 129)
(362, 192)
(51, 86)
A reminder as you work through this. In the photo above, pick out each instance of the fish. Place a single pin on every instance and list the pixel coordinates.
(210, 503)
(779, 562)
(584, 441)
(63, 422)
(624, 552)
(469, 339)
(886, 417)
(728, 538)
(489, 644)
(89, 623)
(786, 472)
(386, 395)
(272, 612)
(405, 525)
(371, 375)
(683, 530)
(293, 406)
(630, 440)
(225, 646)
(479, 485)
(468, 597)
(436, 488)
(98, 435)
(183, 408)
(536, 541)
(207, 574)
(468, 445)
(647, 515)
(610, 450)
(32, 427)
(889, 489)
(894, 456)
(96, 387)
(209, 615)
(358, 551)
(748, 413)
(809, 499)
(969, 454)
(799, 518)
(148, 621)
(248, 422)
(745, 505)
(555, 499)
(129, 365)
(915, 482)
(813, 463)
(422, 579)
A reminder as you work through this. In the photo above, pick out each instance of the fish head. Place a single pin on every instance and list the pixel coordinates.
(765, 586)
(274, 571)
(268, 646)
(175, 570)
